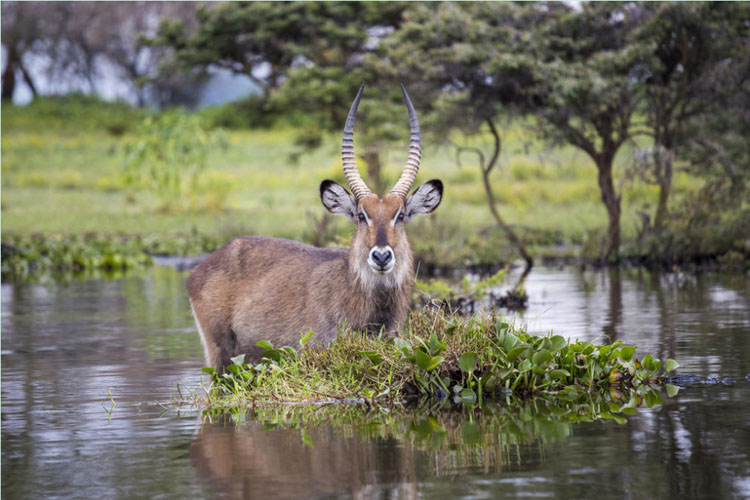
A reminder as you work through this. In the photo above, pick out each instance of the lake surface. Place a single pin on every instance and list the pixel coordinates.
(69, 350)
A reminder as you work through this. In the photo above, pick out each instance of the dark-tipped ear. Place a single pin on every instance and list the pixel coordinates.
(424, 199)
(338, 200)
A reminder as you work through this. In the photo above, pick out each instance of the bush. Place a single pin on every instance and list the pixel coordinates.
(73, 112)
(250, 112)
(168, 155)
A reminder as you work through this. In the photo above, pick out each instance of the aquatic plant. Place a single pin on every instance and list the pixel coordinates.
(467, 296)
(439, 356)
(25, 256)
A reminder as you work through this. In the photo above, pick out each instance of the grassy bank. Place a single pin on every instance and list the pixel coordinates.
(439, 357)
(63, 173)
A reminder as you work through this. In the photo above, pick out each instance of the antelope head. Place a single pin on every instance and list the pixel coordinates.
(380, 251)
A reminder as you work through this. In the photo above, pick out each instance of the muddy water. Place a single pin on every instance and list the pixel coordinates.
(70, 351)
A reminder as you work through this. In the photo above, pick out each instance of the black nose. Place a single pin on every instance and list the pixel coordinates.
(382, 259)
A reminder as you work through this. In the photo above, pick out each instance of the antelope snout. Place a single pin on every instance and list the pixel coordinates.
(381, 259)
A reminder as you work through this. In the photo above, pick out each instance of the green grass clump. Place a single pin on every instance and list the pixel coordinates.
(443, 356)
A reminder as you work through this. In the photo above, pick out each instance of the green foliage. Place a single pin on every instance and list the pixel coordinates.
(36, 255)
(71, 112)
(472, 359)
(71, 177)
(471, 290)
(168, 155)
(251, 112)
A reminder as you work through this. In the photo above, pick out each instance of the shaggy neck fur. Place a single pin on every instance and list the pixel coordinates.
(382, 300)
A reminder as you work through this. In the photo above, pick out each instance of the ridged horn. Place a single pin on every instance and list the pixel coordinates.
(356, 184)
(406, 181)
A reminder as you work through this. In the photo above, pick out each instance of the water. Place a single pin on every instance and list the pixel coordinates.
(67, 347)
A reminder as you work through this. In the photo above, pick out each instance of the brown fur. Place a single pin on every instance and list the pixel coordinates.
(257, 288)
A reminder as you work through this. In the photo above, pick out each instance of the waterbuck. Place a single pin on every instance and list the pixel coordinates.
(256, 288)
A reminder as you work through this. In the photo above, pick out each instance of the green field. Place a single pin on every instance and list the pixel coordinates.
(64, 173)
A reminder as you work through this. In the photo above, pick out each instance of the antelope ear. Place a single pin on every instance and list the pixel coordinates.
(425, 199)
(338, 200)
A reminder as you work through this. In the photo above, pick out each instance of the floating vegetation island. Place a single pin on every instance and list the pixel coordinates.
(443, 358)
(28, 256)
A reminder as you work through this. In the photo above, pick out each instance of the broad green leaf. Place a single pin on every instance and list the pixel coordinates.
(264, 344)
(541, 357)
(671, 365)
(559, 374)
(238, 360)
(650, 364)
(557, 343)
(468, 361)
(403, 345)
(626, 353)
(672, 390)
(516, 351)
(436, 347)
(422, 359)
(620, 420)
(489, 381)
(508, 341)
(372, 356)
(501, 327)
(273, 354)
(435, 362)
(526, 365)
(468, 396)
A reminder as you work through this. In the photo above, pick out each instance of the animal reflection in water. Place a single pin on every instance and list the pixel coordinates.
(248, 461)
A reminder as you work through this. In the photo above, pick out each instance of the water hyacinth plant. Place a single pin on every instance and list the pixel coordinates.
(32, 255)
(446, 357)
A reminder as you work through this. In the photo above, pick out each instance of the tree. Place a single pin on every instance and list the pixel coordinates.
(306, 57)
(456, 57)
(23, 25)
(587, 93)
(693, 53)
(73, 41)
(264, 40)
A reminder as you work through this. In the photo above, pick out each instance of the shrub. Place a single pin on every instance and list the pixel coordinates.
(168, 155)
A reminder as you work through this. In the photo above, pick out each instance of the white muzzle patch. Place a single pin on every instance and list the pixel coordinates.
(381, 260)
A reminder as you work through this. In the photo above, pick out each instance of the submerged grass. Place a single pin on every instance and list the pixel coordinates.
(446, 357)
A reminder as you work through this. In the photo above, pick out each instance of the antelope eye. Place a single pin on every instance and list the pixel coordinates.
(400, 217)
(362, 217)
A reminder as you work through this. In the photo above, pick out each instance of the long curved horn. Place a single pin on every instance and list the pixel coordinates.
(357, 185)
(406, 181)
